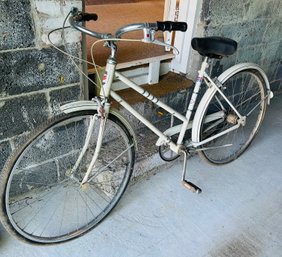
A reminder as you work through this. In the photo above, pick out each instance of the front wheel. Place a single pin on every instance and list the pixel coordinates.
(246, 90)
(42, 200)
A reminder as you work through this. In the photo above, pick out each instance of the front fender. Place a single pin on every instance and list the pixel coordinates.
(91, 105)
(79, 106)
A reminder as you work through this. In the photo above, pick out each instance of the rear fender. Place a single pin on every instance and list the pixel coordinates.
(246, 66)
(211, 90)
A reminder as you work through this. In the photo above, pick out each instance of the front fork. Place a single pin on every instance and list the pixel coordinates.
(97, 148)
(102, 114)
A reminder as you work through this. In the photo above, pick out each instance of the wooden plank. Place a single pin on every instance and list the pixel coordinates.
(140, 62)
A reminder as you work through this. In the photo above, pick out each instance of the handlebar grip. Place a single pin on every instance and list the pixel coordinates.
(172, 26)
(86, 17)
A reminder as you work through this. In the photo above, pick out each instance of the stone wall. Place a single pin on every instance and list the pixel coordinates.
(35, 78)
(257, 27)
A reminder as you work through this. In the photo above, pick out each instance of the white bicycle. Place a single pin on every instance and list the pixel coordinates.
(74, 169)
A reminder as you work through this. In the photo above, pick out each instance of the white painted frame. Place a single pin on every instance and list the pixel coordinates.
(186, 121)
(164, 137)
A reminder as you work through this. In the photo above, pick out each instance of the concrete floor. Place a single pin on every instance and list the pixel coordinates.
(238, 214)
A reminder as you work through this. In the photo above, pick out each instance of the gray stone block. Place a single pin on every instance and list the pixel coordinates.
(245, 33)
(33, 70)
(276, 86)
(63, 142)
(177, 100)
(61, 96)
(5, 151)
(276, 76)
(22, 114)
(255, 25)
(217, 12)
(248, 33)
(16, 28)
(34, 178)
(233, 11)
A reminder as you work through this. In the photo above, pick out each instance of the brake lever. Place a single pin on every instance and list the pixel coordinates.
(149, 37)
(157, 42)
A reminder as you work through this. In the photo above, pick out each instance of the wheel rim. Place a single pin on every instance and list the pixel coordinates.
(44, 203)
(246, 92)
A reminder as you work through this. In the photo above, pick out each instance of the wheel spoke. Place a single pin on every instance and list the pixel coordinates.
(246, 91)
(44, 202)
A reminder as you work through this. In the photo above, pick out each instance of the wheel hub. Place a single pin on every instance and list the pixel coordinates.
(232, 118)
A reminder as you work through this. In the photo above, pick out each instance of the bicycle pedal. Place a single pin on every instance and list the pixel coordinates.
(191, 187)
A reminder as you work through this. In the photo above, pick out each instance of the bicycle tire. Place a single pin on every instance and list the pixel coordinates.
(36, 177)
(246, 90)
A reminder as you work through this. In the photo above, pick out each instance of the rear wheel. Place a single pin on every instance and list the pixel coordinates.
(246, 91)
(42, 201)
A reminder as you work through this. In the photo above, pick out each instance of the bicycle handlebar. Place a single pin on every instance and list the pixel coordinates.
(86, 17)
(135, 27)
(77, 17)
(172, 26)
(148, 28)
(159, 25)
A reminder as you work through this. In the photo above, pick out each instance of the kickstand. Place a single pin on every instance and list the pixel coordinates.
(187, 184)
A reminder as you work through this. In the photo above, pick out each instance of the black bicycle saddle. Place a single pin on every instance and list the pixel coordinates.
(214, 47)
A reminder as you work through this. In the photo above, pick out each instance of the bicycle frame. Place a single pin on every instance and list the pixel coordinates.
(164, 137)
